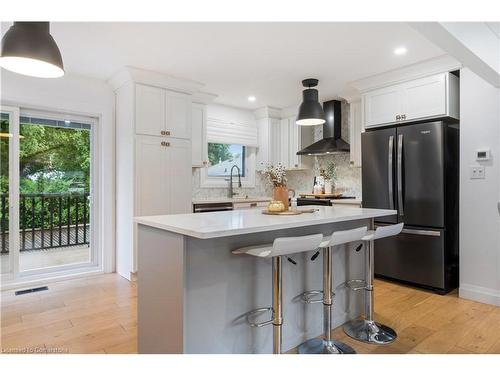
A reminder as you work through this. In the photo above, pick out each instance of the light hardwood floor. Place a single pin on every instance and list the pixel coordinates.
(98, 315)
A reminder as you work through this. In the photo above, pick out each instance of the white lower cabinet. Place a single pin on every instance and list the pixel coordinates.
(163, 172)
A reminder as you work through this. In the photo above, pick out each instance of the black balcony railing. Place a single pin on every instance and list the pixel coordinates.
(48, 220)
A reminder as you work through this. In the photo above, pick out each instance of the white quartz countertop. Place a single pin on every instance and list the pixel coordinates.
(231, 200)
(229, 223)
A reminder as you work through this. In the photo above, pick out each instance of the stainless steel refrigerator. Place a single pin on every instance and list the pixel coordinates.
(413, 168)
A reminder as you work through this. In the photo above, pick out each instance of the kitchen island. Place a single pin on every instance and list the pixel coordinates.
(193, 292)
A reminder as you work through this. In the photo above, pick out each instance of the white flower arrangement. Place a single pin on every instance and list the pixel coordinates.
(275, 174)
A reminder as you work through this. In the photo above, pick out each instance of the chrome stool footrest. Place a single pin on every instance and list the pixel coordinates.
(308, 296)
(253, 313)
(356, 284)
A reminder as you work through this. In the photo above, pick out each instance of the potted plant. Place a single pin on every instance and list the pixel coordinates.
(276, 177)
(329, 175)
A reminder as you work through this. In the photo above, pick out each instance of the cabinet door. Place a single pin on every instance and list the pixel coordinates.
(178, 113)
(149, 110)
(294, 143)
(199, 135)
(382, 106)
(151, 180)
(284, 141)
(425, 97)
(178, 178)
(355, 129)
(275, 141)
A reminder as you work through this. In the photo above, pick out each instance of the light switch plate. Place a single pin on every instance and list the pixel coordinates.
(476, 173)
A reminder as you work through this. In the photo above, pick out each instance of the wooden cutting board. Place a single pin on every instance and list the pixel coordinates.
(290, 212)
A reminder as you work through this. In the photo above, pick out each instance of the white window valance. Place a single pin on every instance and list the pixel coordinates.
(219, 131)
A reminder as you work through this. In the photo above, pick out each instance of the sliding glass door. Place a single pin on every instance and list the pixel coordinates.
(9, 160)
(46, 184)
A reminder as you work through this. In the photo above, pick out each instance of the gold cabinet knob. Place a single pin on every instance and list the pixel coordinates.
(398, 117)
(167, 132)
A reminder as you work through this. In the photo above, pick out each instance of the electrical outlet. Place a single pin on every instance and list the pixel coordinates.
(476, 173)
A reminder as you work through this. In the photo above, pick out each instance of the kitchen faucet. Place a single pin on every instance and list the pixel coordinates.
(231, 193)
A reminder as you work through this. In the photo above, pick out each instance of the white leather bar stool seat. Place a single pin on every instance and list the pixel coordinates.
(367, 329)
(327, 345)
(281, 246)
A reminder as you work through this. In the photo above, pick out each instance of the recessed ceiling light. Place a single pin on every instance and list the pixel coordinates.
(400, 51)
(252, 98)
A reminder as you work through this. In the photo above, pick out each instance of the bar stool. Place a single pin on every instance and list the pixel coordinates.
(275, 251)
(327, 345)
(367, 330)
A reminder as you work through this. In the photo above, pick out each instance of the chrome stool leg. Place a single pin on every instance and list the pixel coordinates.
(277, 305)
(326, 345)
(368, 330)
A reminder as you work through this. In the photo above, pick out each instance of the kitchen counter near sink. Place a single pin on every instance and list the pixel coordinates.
(192, 291)
(231, 200)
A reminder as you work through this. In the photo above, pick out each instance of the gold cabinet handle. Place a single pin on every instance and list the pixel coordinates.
(253, 204)
(165, 132)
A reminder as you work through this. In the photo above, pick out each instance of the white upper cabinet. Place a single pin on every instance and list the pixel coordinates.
(279, 141)
(149, 110)
(382, 106)
(425, 97)
(178, 115)
(199, 135)
(429, 97)
(162, 113)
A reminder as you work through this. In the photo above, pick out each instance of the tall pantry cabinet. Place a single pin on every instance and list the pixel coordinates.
(153, 161)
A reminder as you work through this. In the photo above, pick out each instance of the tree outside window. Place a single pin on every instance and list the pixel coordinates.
(223, 156)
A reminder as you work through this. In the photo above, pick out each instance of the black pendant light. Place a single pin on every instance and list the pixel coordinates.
(310, 111)
(29, 49)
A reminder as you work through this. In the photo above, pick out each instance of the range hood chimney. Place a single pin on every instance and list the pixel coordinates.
(332, 131)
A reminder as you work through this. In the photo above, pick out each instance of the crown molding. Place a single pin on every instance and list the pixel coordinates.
(441, 64)
(131, 74)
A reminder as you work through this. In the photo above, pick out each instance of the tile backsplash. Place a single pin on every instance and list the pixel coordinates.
(348, 177)
(348, 180)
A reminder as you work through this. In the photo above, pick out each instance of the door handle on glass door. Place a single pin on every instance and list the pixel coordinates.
(400, 175)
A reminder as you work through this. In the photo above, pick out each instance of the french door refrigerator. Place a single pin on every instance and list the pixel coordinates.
(413, 168)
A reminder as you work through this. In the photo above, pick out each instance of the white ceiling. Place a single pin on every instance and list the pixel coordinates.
(235, 60)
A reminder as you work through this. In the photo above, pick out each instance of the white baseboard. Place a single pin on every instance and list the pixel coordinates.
(479, 294)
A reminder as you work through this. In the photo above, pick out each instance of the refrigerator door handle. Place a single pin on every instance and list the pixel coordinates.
(420, 232)
(390, 172)
(400, 175)
(434, 233)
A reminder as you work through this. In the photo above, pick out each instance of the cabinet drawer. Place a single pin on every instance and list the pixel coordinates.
(247, 205)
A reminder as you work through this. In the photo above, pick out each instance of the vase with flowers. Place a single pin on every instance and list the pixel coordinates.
(329, 175)
(276, 177)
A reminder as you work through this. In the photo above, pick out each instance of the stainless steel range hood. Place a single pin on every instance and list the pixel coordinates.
(331, 141)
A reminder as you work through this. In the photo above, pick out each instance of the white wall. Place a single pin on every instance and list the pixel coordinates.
(83, 96)
(479, 218)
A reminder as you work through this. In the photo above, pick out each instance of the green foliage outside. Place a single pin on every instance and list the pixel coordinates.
(52, 160)
(218, 152)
